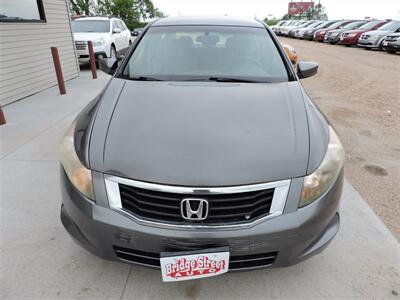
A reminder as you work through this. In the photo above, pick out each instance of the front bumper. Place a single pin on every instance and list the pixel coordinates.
(293, 236)
(98, 51)
(370, 43)
(391, 47)
(331, 39)
(348, 40)
(319, 37)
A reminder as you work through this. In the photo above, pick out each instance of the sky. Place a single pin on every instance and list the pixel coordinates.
(336, 9)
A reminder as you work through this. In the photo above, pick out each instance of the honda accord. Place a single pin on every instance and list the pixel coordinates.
(203, 154)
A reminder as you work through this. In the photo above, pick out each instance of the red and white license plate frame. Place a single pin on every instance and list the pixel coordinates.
(180, 266)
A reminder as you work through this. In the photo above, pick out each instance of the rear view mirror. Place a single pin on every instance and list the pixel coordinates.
(108, 65)
(117, 30)
(306, 69)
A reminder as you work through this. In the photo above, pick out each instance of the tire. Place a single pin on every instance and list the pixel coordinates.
(391, 52)
(113, 52)
(348, 45)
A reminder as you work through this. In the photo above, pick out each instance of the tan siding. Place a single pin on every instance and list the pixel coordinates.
(26, 66)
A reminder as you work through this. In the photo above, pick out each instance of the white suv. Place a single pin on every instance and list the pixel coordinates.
(110, 36)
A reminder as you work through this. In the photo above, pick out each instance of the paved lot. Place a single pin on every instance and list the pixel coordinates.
(38, 260)
(359, 91)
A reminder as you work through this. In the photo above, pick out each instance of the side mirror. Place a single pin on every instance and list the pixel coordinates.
(135, 33)
(108, 65)
(117, 30)
(306, 69)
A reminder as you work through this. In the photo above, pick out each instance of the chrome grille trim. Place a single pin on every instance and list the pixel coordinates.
(281, 189)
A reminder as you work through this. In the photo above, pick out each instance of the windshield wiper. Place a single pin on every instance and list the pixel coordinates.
(233, 79)
(141, 78)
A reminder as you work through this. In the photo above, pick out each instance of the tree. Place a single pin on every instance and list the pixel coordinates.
(317, 13)
(133, 12)
(83, 7)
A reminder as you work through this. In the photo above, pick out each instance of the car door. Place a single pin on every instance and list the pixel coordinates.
(125, 34)
(117, 35)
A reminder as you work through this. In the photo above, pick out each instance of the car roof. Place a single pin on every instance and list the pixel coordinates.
(94, 18)
(217, 21)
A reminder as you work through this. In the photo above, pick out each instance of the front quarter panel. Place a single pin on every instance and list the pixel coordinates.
(101, 123)
(319, 134)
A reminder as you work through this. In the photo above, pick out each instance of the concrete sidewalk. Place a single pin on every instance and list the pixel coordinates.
(38, 260)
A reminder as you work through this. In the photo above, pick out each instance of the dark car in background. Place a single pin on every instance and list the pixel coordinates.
(391, 43)
(319, 35)
(350, 37)
(333, 36)
(203, 154)
(309, 34)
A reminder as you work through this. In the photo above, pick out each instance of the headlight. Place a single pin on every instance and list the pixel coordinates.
(322, 32)
(352, 34)
(99, 42)
(78, 174)
(322, 179)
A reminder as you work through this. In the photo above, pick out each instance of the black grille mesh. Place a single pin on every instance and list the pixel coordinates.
(223, 208)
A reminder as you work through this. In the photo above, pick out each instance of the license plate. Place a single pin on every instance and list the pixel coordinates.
(341, 38)
(181, 266)
(385, 43)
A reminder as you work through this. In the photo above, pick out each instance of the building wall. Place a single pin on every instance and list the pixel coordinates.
(26, 64)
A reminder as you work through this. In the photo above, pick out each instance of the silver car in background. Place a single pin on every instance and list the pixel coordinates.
(374, 39)
(299, 34)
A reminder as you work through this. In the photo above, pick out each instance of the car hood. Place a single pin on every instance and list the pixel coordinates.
(378, 32)
(88, 36)
(394, 34)
(208, 134)
(354, 31)
(336, 31)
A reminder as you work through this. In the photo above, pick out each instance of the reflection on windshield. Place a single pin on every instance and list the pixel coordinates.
(207, 53)
(90, 26)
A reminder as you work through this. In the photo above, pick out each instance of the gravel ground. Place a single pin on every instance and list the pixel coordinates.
(359, 91)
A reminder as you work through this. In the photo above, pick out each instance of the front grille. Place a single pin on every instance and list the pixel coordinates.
(238, 262)
(391, 39)
(223, 208)
(80, 45)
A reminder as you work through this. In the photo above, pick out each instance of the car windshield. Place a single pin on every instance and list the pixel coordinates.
(391, 26)
(201, 53)
(90, 26)
(324, 25)
(315, 25)
(353, 25)
(336, 24)
(370, 25)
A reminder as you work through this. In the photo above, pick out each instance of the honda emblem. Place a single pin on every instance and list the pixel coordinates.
(194, 209)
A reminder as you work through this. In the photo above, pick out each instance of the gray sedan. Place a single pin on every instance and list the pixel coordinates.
(202, 155)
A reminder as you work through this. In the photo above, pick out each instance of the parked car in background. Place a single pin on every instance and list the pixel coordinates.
(350, 37)
(299, 34)
(110, 36)
(292, 32)
(275, 28)
(309, 34)
(319, 35)
(333, 36)
(286, 29)
(291, 53)
(159, 171)
(135, 32)
(391, 43)
(373, 39)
